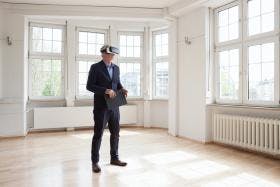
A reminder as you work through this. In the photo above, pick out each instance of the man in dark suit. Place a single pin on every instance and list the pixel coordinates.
(104, 79)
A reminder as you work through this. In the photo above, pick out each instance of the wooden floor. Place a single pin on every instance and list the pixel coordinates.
(154, 159)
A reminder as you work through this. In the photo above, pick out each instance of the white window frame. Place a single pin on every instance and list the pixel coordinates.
(133, 59)
(216, 24)
(158, 60)
(78, 57)
(243, 42)
(274, 40)
(49, 56)
(218, 50)
(264, 34)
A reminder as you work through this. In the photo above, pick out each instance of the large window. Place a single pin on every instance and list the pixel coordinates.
(160, 64)
(46, 60)
(130, 61)
(247, 69)
(261, 15)
(89, 42)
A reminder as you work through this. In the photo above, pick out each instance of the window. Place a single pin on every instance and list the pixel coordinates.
(247, 68)
(89, 42)
(130, 61)
(261, 72)
(229, 74)
(160, 64)
(228, 24)
(46, 59)
(260, 16)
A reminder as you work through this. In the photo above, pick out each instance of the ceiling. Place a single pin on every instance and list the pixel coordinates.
(121, 3)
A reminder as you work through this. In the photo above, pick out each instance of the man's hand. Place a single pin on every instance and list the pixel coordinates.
(111, 93)
(124, 91)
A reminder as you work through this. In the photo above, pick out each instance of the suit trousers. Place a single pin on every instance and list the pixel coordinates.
(101, 118)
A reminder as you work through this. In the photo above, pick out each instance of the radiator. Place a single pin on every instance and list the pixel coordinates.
(63, 117)
(258, 134)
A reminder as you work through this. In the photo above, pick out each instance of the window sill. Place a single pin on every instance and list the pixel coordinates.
(268, 107)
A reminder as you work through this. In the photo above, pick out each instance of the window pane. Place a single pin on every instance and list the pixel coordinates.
(100, 39)
(136, 41)
(268, 52)
(123, 51)
(82, 48)
(83, 66)
(129, 41)
(255, 54)
(223, 18)
(233, 31)
(47, 34)
(261, 16)
(83, 78)
(91, 49)
(130, 78)
(122, 40)
(37, 33)
(161, 44)
(136, 51)
(164, 39)
(233, 15)
(57, 34)
(254, 25)
(164, 50)
(229, 74)
(91, 37)
(158, 40)
(261, 73)
(267, 6)
(267, 22)
(46, 77)
(228, 25)
(47, 46)
(57, 47)
(161, 79)
(158, 51)
(254, 8)
(37, 45)
(83, 37)
(223, 34)
(56, 65)
(129, 51)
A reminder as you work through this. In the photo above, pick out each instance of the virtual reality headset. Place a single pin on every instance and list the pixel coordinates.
(109, 50)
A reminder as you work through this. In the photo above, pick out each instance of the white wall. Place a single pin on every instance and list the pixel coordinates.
(192, 61)
(159, 113)
(12, 107)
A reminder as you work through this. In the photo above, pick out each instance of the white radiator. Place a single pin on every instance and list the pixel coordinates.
(63, 117)
(259, 134)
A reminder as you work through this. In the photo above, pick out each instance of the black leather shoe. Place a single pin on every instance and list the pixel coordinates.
(96, 168)
(118, 163)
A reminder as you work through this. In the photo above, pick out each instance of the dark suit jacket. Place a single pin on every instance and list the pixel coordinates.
(99, 80)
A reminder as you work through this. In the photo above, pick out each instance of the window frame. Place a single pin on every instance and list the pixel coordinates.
(78, 57)
(244, 42)
(156, 60)
(216, 23)
(139, 60)
(49, 56)
(217, 75)
(276, 71)
(246, 35)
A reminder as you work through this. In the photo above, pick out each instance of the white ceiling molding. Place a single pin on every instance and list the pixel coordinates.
(184, 6)
(118, 3)
(85, 11)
